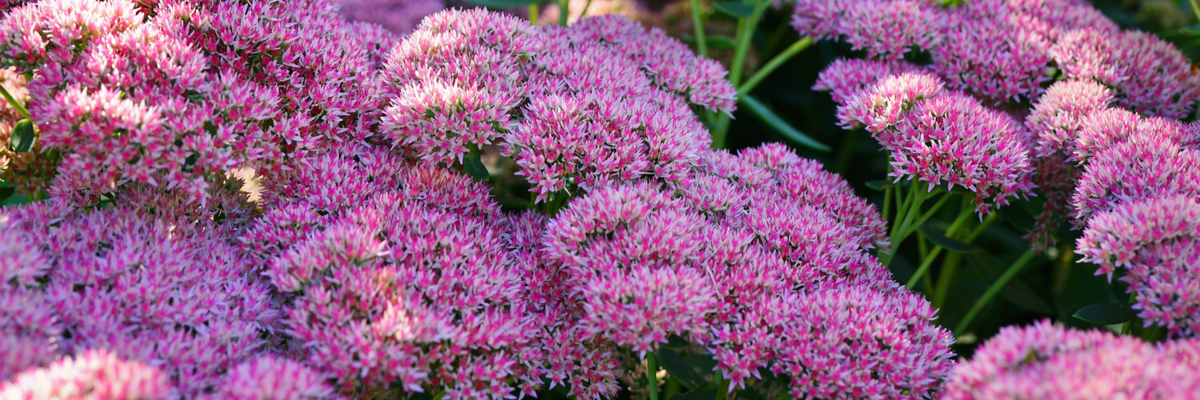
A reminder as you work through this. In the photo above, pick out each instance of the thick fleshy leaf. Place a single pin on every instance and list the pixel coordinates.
(475, 168)
(778, 123)
(1106, 313)
(736, 9)
(23, 136)
(691, 370)
(947, 243)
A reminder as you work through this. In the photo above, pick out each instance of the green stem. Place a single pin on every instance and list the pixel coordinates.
(946, 278)
(17, 105)
(651, 376)
(993, 290)
(1196, 9)
(533, 14)
(563, 9)
(928, 261)
(775, 63)
(745, 31)
(701, 42)
(887, 202)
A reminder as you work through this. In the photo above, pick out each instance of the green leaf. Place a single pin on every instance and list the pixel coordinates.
(880, 185)
(1018, 291)
(736, 9)
(708, 391)
(787, 130)
(1106, 313)
(945, 242)
(23, 136)
(505, 3)
(691, 370)
(475, 168)
(6, 193)
(675, 342)
(1016, 216)
(713, 41)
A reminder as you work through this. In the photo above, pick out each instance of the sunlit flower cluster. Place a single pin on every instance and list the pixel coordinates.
(1048, 361)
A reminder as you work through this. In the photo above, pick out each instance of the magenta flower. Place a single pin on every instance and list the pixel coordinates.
(853, 342)
(1149, 76)
(1155, 240)
(1105, 129)
(1049, 361)
(91, 375)
(124, 282)
(1139, 168)
(625, 252)
(272, 377)
(846, 78)
(882, 106)
(990, 51)
(577, 108)
(399, 17)
(882, 28)
(946, 137)
(29, 331)
(397, 292)
(1059, 115)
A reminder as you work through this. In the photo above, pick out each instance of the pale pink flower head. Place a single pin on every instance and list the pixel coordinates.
(854, 343)
(1150, 76)
(882, 106)
(1058, 116)
(48, 32)
(1155, 240)
(457, 81)
(91, 375)
(272, 377)
(1139, 168)
(881, 28)
(1105, 129)
(1049, 361)
(845, 78)
(951, 138)
(398, 16)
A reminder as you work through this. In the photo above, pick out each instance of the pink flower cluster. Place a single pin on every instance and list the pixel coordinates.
(366, 265)
(177, 297)
(1008, 50)
(1130, 181)
(577, 108)
(175, 94)
(935, 135)
(1045, 361)
(397, 16)
(728, 261)
(1072, 63)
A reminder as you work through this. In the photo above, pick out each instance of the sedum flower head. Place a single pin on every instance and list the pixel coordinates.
(92, 375)
(854, 342)
(1149, 75)
(1155, 240)
(1140, 168)
(272, 377)
(1048, 361)
(882, 28)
